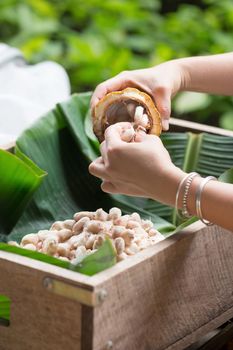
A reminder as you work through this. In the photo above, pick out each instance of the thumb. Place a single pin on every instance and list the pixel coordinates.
(163, 102)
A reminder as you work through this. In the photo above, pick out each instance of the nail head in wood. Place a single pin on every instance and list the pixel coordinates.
(109, 345)
(47, 283)
(102, 295)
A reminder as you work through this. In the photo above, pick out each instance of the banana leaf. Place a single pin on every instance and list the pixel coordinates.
(227, 176)
(19, 181)
(4, 310)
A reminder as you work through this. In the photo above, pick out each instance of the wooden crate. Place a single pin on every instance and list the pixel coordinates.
(165, 297)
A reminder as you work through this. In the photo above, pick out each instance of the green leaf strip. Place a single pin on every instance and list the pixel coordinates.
(192, 152)
(104, 258)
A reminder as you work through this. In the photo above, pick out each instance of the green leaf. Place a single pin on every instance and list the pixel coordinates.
(226, 120)
(215, 155)
(75, 112)
(227, 176)
(104, 258)
(19, 180)
(182, 225)
(4, 310)
(192, 152)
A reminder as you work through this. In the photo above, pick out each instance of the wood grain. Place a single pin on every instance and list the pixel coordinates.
(39, 319)
(36, 265)
(158, 303)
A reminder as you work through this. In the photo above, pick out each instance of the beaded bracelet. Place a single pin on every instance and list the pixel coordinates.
(188, 178)
(185, 212)
(198, 199)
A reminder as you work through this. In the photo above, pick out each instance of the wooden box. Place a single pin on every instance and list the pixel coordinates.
(165, 297)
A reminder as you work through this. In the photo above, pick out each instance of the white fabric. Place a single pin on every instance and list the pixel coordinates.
(27, 92)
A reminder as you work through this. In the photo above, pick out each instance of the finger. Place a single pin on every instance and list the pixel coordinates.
(163, 103)
(102, 89)
(98, 169)
(113, 133)
(118, 82)
(108, 187)
(103, 151)
(99, 160)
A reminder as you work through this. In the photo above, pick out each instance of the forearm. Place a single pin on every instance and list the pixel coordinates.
(216, 197)
(216, 202)
(210, 74)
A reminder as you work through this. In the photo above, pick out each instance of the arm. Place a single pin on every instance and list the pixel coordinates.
(211, 74)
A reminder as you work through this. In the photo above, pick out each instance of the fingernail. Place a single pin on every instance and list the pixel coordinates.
(165, 124)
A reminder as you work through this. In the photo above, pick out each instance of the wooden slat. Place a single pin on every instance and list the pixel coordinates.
(184, 125)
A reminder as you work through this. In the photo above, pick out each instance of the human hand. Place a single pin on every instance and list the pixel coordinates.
(141, 168)
(161, 82)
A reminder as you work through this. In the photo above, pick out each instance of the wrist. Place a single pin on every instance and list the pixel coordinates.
(185, 77)
(170, 179)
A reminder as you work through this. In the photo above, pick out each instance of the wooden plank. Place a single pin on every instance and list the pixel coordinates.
(39, 319)
(100, 278)
(170, 296)
(184, 125)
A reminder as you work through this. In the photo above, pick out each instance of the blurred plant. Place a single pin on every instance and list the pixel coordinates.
(96, 39)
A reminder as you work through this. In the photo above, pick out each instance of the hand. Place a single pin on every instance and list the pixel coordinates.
(161, 83)
(141, 168)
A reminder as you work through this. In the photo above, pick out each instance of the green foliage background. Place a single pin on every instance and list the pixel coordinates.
(96, 39)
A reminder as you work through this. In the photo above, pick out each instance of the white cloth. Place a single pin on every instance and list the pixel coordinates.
(27, 91)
